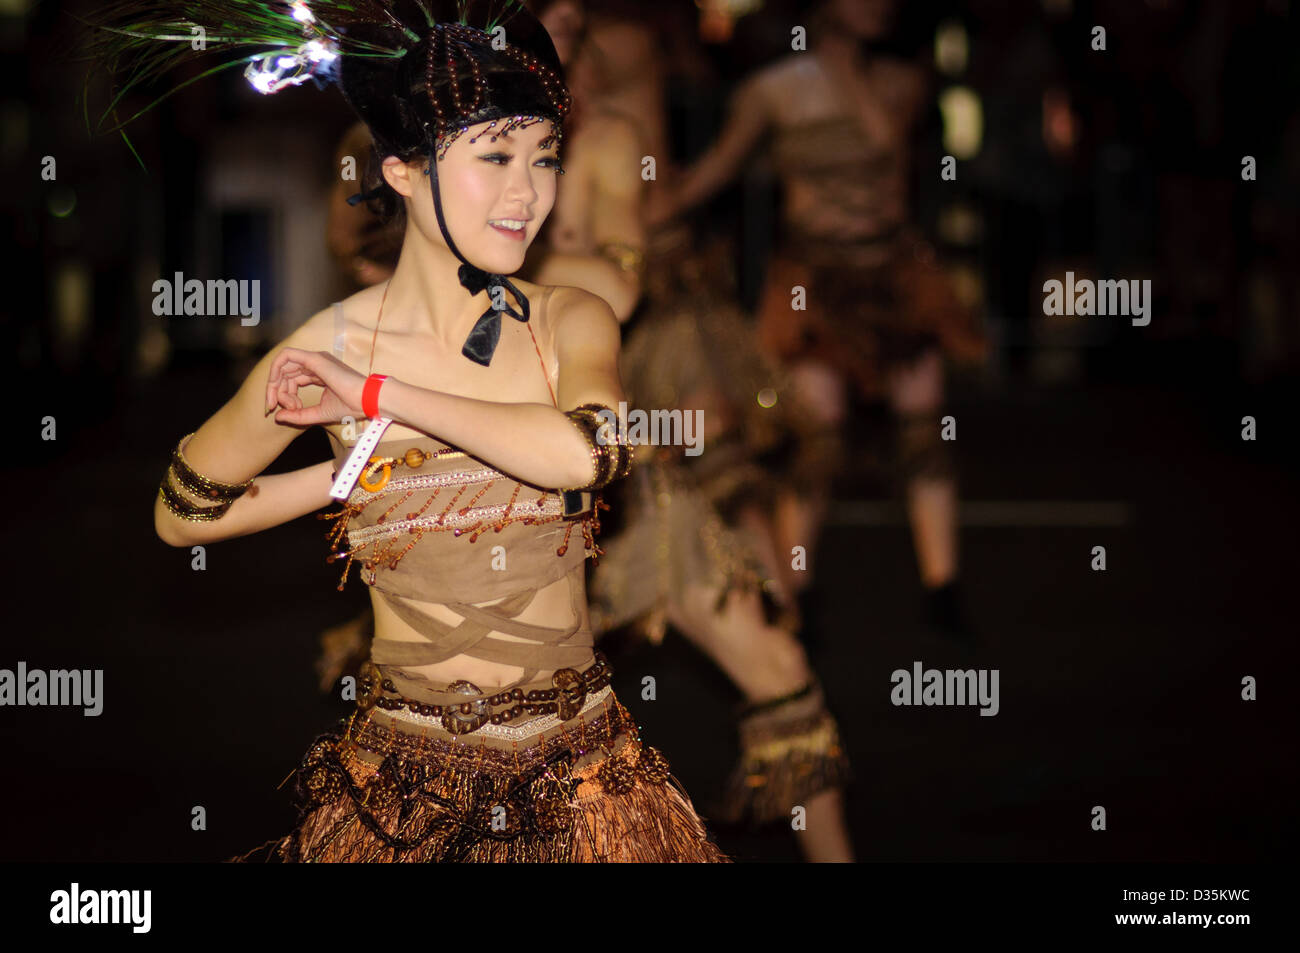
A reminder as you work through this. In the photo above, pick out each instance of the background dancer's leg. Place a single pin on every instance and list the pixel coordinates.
(768, 664)
(926, 470)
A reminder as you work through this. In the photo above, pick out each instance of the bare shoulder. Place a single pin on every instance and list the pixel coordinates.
(314, 334)
(317, 332)
(575, 314)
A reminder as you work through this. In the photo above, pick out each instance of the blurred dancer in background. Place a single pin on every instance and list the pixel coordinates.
(362, 245)
(694, 550)
(879, 314)
(595, 239)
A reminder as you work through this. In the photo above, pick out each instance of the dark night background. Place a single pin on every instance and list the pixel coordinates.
(1119, 688)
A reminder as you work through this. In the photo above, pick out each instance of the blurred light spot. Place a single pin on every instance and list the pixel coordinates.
(767, 397)
(967, 285)
(13, 128)
(951, 48)
(71, 308)
(62, 201)
(963, 121)
(960, 224)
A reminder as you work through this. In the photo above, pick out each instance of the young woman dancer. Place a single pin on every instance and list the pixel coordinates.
(792, 755)
(485, 729)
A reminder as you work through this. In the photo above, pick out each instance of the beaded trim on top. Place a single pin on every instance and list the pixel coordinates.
(547, 507)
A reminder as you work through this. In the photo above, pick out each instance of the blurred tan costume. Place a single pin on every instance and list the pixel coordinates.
(682, 526)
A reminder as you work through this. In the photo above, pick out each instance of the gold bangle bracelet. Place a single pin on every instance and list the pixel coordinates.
(611, 459)
(624, 466)
(619, 450)
(186, 510)
(626, 257)
(587, 427)
(200, 485)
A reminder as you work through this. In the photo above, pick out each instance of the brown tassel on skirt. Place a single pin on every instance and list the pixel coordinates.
(597, 794)
(790, 750)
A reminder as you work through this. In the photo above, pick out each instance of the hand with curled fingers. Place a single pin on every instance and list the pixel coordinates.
(294, 368)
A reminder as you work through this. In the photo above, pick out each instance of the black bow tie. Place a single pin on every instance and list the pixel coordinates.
(483, 337)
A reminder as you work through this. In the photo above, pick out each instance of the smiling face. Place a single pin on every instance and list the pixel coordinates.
(495, 195)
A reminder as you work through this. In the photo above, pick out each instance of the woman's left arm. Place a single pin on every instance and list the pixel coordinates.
(533, 442)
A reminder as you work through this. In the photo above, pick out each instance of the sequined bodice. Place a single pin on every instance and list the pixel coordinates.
(430, 524)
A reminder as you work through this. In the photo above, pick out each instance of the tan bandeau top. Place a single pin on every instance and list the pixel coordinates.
(429, 523)
(842, 169)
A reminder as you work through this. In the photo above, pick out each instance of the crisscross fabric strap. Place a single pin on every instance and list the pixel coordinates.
(551, 648)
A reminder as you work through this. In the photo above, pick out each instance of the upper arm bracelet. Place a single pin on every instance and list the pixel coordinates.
(627, 257)
(222, 494)
(611, 454)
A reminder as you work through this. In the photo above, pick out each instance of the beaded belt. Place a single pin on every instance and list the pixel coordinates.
(569, 696)
(524, 731)
(604, 728)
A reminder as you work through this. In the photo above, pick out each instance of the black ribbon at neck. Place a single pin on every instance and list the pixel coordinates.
(483, 337)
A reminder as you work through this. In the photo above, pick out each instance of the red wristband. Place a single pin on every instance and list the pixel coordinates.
(370, 395)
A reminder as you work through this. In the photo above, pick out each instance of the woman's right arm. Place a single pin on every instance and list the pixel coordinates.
(270, 501)
(747, 121)
(238, 442)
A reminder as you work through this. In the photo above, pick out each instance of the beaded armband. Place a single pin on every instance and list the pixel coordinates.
(626, 257)
(222, 494)
(611, 454)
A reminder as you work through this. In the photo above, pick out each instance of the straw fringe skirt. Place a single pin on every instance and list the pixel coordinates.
(593, 793)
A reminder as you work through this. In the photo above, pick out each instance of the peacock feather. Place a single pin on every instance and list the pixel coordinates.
(140, 42)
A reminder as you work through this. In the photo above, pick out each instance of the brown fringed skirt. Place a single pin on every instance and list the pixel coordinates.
(868, 308)
(384, 786)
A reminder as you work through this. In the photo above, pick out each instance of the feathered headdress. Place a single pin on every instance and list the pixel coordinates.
(417, 72)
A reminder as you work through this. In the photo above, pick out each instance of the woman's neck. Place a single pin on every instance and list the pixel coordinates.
(425, 294)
